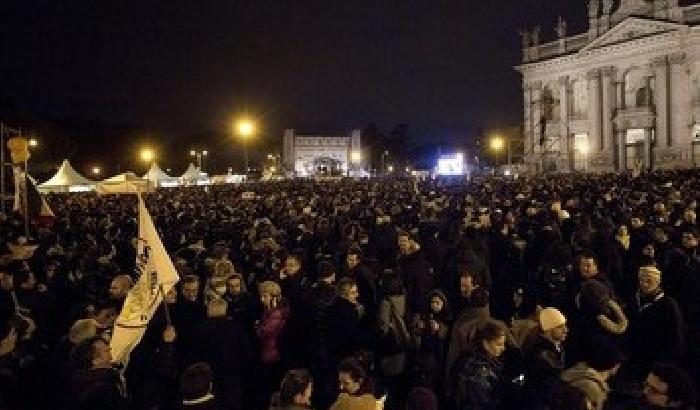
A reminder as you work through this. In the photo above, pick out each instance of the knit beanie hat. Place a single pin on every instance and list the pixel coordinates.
(551, 318)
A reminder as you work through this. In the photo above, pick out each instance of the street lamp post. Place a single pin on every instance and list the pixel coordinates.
(199, 155)
(31, 143)
(385, 153)
(2, 167)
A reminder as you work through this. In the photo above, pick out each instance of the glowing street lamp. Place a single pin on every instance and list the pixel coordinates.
(356, 157)
(245, 129)
(497, 143)
(33, 142)
(147, 155)
(96, 171)
(390, 168)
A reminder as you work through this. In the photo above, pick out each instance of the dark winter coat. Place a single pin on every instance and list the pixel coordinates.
(477, 380)
(657, 331)
(224, 344)
(346, 331)
(544, 363)
(99, 389)
(418, 280)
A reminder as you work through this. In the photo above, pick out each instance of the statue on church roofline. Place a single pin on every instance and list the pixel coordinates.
(526, 37)
(536, 36)
(593, 8)
(561, 28)
(607, 7)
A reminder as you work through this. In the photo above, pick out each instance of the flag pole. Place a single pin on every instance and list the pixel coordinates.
(26, 193)
(166, 309)
(2, 167)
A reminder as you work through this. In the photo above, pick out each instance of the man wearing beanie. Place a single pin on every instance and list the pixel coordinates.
(657, 329)
(544, 356)
(591, 376)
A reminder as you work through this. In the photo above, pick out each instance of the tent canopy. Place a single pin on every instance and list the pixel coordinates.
(65, 178)
(125, 183)
(156, 174)
(192, 174)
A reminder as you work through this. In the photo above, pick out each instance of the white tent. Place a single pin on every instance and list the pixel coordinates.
(125, 183)
(67, 179)
(193, 175)
(159, 178)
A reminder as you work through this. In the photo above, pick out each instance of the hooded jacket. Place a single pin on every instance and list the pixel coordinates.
(589, 381)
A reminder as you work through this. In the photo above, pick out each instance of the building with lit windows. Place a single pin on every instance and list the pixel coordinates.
(624, 95)
(307, 155)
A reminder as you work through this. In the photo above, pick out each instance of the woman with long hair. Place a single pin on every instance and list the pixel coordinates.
(478, 373)
(356, 387)
(295, 391)
(268, 330)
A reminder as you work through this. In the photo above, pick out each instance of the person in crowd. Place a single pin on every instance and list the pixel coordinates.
(469, 280)
(544, 355)
(417, 273)
(591, 376)
(477, 375)
(118, 289)
(295, 391)
(461, 338)
(356, 387)
(432, 329)
(273, 320)
(239, 301)
(197, 388)
(188, 313)
(268, 330)
(587, 271)
(365, 279)
(96, 382)
(655, 313)
(668, 386)
(321, 299)
(345, 320)
(223, 343)
(596, 314)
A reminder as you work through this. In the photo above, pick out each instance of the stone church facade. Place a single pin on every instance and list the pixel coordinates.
(625, 95)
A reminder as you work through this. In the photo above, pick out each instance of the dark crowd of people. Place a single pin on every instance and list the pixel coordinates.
(560, 292)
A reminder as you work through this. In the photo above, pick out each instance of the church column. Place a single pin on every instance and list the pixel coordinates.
(661, 101)
(528, 125)
(647, 149)
(619, 146)
(536, 118)
(595, 134)
(288, 152)
(680, 94)
(609, 99)
(564, 137)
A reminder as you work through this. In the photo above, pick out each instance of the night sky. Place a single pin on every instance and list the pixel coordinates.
(184, 66)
